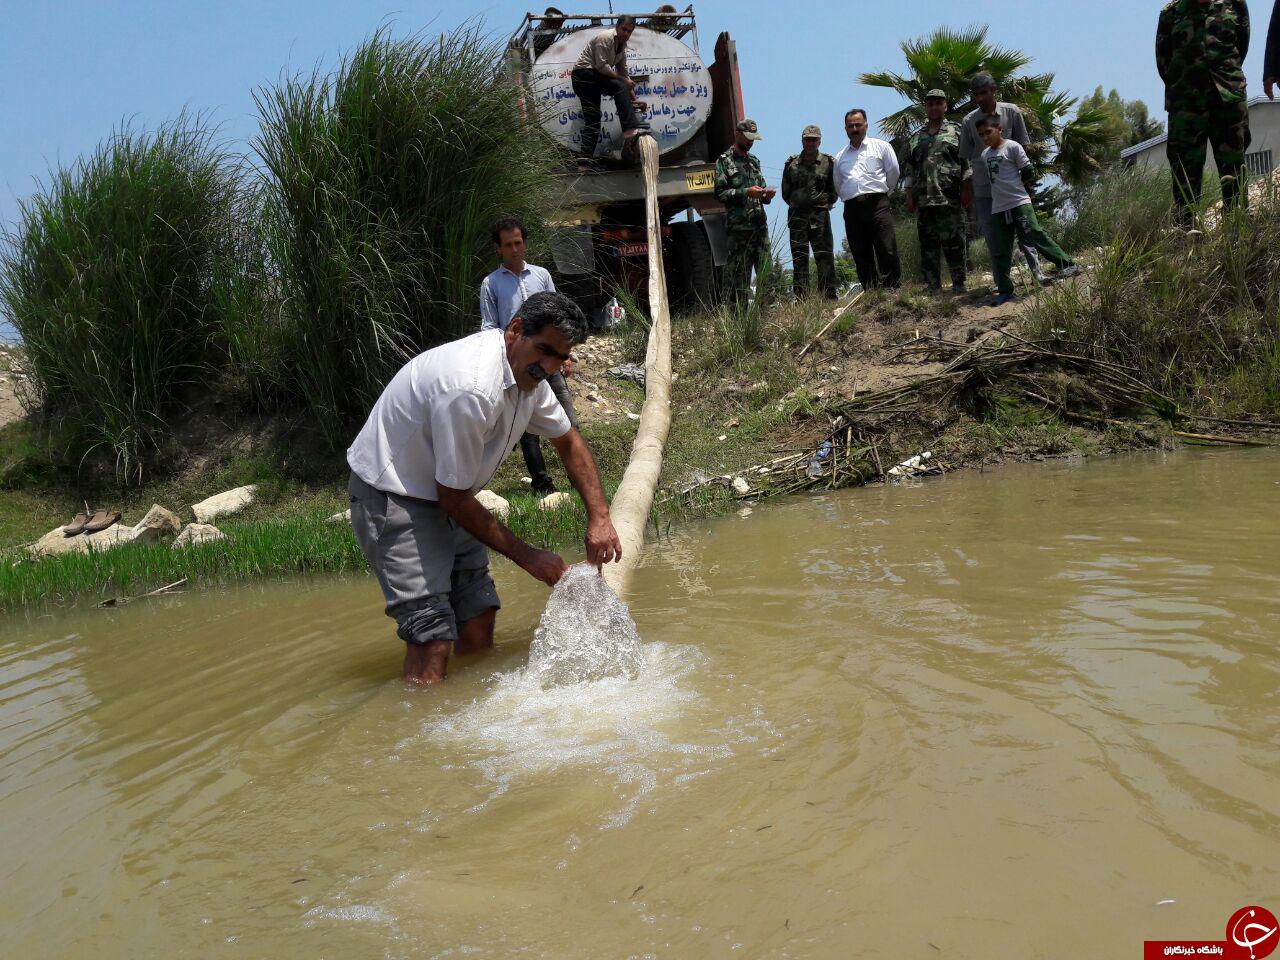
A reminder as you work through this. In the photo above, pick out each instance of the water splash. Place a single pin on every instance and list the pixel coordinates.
(586, 634)
(635, 735)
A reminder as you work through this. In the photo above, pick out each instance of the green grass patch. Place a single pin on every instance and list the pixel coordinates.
(303, 543)
(253, 551)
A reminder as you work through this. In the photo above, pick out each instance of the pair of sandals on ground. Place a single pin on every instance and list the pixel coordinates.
(91, 521)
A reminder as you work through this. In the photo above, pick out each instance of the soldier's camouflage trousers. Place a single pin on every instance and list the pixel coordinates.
(942, 230)
(748, 250)
(812, 230)
(1192, 125)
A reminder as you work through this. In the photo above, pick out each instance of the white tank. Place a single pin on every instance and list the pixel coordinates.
(678, 91)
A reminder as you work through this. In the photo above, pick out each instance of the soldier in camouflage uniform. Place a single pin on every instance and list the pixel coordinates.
(740, 187)
(810, 192)
(1200, 51)
(933, 171)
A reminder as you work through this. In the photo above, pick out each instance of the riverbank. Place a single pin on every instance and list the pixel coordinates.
(1167, 339)
(740, 399)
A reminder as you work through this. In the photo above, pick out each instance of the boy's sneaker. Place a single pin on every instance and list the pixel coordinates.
(1004, 298)
(1066, 273)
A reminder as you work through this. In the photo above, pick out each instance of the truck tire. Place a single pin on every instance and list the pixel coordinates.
(696, 274)
(584, 290)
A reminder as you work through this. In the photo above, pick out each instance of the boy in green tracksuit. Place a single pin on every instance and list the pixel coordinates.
(1012, 215)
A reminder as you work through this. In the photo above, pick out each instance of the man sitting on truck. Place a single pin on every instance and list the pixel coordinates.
(501, 295)
(602, 69)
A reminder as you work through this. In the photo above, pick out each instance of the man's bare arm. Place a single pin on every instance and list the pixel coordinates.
(602, 540)
(472, 517)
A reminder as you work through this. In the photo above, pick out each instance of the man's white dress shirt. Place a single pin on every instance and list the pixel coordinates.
(870, 168)
(451, 416)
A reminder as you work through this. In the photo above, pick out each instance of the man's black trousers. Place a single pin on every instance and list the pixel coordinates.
(868, 224)
(590, 86)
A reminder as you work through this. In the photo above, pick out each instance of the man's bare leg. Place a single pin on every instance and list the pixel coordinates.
(476, 634)
(425, 663)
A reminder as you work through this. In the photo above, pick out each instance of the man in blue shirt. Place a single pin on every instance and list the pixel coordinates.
(501, 295)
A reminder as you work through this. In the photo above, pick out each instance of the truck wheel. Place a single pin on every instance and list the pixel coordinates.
(584, 290)
(696, 267)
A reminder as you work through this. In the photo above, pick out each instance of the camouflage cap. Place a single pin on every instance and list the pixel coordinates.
(936, 94)
(812, 130)
(749, 129)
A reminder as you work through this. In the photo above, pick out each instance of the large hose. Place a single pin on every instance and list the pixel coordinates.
(630, 508)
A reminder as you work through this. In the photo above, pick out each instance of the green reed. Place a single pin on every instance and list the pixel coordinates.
(109, 278)
(381, 180)
(1196, 315)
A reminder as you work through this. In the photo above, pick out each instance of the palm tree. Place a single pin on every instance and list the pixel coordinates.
(946, 59)
(1078, 145)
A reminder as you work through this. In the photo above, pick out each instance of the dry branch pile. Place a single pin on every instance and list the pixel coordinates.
(1085, 389)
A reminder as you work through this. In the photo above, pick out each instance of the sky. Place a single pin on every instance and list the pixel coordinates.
(73, 70)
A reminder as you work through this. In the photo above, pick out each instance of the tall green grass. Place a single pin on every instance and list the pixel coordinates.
(111, 277)
(1197, 316)
(733, 331)
(381, 181)
(1123, 206)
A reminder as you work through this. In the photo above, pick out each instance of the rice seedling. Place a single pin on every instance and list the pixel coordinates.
(110, 278)
(253, 550)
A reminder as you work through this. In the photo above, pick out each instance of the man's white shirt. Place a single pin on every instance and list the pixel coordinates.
(451, 416)
(870, 168)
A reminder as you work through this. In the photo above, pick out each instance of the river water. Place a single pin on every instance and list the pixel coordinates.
(1025, 713)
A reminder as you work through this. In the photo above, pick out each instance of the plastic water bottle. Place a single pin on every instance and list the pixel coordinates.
(815, 464)
(909, 466)
(614, 314)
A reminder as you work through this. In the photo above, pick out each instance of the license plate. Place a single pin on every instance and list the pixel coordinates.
(702, 180)
(633, 249)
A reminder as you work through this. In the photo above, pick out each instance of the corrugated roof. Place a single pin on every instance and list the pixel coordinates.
(1137, 148)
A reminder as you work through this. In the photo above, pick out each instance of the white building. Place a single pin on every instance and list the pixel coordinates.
(1264, 150)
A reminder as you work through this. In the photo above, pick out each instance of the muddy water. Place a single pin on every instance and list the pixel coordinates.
(1029, 713)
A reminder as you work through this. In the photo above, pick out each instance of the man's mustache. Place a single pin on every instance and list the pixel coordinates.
(535, 370)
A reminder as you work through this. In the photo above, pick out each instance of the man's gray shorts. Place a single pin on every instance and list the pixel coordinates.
(434, 575)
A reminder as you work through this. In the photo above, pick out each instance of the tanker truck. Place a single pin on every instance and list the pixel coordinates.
(599, 243)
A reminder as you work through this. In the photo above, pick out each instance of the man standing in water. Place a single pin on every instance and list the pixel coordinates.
(501, 294)
(434, 439)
